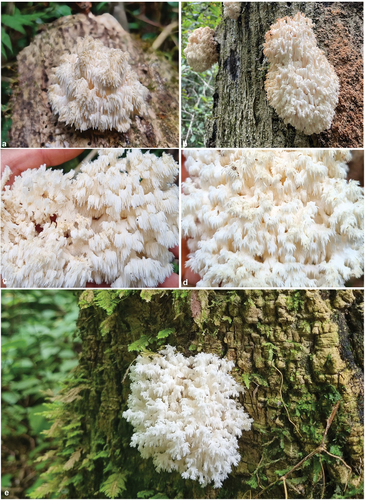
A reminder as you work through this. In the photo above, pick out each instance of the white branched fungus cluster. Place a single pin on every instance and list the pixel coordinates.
(113, 223)
(272, 218)
(232, 10)
(96, 88)
(201, 51)
(184, 416)
(301, 85)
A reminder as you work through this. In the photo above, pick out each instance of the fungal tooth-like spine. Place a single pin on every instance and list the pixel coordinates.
(114, 223)
(97, 88)
(232, 10)
(201, 51)
(301, 85)
(272, 218)
(183, 414)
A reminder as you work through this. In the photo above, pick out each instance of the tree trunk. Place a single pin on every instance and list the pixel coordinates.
(297, 352)
(241, 114)
(34, 124)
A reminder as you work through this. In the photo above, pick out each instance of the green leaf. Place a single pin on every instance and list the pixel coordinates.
(145, 493)
(6, 481)
(17, 23)
(5, 39)
(14, 344)
(62, 10)
(10, 397)
(114, 485)
(165, 333)
(140, 344)
(246, 379)
(37, 422)
(75, 457)
(282, 471)
(148, 294)
(252, 482)
(335, 450)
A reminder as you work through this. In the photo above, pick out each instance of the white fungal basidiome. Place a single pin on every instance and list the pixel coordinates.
(96, 88)
(301, 85)
(232, 10)
(113, 223)
(272, 218)
(184, 415)
(201, 51)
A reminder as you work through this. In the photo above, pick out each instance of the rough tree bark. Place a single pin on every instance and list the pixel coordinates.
(299, 353)
(241, 115)
(34, 124)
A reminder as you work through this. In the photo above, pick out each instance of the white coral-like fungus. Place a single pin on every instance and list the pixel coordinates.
(201, 50)
(96, 88)
(301, 85)
(184, 416)
(232, 10)
(272, 218)
(113, 223)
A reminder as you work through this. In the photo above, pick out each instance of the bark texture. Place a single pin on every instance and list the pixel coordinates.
(297, 352)
(34, 124)
(241, 114)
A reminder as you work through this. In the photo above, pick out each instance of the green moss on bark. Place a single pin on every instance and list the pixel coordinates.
(294, 353)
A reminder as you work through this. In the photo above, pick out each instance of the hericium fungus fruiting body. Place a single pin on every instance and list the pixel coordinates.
(96, 88)
(272, 218)
(113, 223)
(201, 51)
(301, 85)
(232, 10)
(184, 416)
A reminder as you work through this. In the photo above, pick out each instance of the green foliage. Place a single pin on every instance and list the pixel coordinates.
(142, 343)
(38, 351)
(165, 333)
(196, 88)
(106, 299)
(246, 379)
(114, 485)
(145, 494)
(351, 492)
(26, 22)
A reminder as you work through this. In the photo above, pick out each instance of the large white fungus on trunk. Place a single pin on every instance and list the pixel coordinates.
(113, 223)
(272, 218)
(232, 10)
(96, 88)
(184, 416)
(301, 85)
(201, 51)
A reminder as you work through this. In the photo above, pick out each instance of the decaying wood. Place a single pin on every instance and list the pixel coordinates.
(34, 124)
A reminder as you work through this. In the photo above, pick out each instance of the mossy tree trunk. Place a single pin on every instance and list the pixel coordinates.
(241, 114)
(297, 352)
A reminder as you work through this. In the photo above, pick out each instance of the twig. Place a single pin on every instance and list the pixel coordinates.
(323, 478)
(164, 34)
(126, 373)
(87, 158)
(320, 449)
(282, 399)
